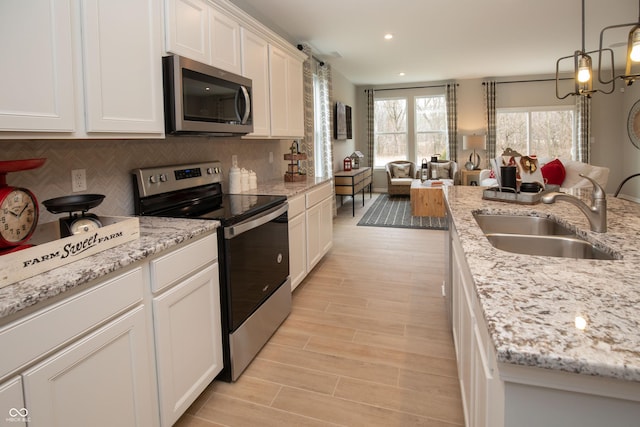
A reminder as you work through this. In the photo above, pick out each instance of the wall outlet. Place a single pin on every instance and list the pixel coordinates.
(78, 180)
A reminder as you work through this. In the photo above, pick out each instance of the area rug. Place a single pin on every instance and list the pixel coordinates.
(395, 211)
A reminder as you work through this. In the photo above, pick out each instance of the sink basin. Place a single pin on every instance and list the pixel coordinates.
(531, 235)
(554, 246)
(517, 224)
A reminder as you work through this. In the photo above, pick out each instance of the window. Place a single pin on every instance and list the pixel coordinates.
(393, 119)
(431, 127)
(390, 129)
(544, 131)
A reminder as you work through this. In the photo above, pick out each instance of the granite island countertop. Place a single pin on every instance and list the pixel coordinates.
(530, 303)
(156, 235)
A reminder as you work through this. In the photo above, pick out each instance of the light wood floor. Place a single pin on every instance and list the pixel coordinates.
(367, 342)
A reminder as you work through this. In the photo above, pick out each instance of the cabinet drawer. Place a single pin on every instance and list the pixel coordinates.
(37, 334)
(318, 194)
(296, 206)
(169, 268)
(345, 180)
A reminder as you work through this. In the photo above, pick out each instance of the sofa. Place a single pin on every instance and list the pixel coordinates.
(562, 172)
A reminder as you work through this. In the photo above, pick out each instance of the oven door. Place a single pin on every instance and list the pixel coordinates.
(256, 262)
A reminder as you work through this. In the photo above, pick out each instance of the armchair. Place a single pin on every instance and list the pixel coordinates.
(400, 174)
(445, 171)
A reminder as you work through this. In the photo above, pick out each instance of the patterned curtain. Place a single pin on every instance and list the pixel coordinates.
(490, 103)
(583, 128)
(307, 144)
(452, 120)
(324, 81)
(369, 93)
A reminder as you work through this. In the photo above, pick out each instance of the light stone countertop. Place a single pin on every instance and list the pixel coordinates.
(530, 302)
(278, 187)
(156, 235)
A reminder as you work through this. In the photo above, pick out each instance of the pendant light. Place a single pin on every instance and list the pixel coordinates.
(633, 53)
(583, 71)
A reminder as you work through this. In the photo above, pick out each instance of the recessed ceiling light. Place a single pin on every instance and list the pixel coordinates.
(388, 36)
(401, 74)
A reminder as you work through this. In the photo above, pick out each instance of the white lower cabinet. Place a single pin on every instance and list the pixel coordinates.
(12, 407)
(102, 380)
(187, 324)
(319, 217)
(310, 230)
(297, 240)
(188, 341)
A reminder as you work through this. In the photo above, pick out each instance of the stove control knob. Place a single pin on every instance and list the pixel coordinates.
(210, 171)
(153, 179)
(163, 177)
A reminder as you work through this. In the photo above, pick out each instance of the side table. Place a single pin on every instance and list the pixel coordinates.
(426, 200)
(350, 183)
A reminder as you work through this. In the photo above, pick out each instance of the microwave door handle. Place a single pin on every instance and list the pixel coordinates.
(247, 105)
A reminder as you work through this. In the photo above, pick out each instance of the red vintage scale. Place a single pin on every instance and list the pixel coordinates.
(18, 207)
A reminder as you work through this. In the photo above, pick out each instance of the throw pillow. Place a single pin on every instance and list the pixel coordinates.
(401, 171)
(442, 170)
(554, 172)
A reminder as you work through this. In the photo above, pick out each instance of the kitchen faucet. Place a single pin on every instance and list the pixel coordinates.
(596, 213)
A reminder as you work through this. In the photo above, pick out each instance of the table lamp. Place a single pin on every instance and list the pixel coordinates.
(475, 142)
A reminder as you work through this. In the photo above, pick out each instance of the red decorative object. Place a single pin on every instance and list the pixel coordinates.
(347, 164)
(554, 172)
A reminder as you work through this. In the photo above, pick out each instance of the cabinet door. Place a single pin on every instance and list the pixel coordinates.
(297, 250)
(278, 90)
(122, 66)
(314, 219)
(188, 341)
(12, 407)
(102, 380)
(187, 29)
(36, 81)
(326, 225)
(295, 97)
(225, 42)
(286, 90)
(255, 66)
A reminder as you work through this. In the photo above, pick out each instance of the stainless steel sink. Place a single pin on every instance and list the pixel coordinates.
(532, 235)
(518, 224)
(555, 246)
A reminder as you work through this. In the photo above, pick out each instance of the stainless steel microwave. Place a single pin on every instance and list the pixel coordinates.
(204, 100)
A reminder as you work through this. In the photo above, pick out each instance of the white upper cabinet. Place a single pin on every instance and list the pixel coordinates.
(187, 29)
(287, 103)
(196, 30)
(88, 69)
(121, 52)
(255, 66)
(36, 82)
(225, 42)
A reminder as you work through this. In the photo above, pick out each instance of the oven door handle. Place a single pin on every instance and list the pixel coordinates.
(255, 222)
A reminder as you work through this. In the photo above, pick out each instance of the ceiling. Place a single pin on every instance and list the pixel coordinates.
(444, 39)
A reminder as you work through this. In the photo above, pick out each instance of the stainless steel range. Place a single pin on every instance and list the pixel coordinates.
(253, 250)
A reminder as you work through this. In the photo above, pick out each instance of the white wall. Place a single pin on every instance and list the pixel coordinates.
(344, 91)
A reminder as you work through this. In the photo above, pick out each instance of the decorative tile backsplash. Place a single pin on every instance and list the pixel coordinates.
(108, 164)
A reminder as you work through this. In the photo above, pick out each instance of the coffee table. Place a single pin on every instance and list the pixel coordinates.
(426, 200)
